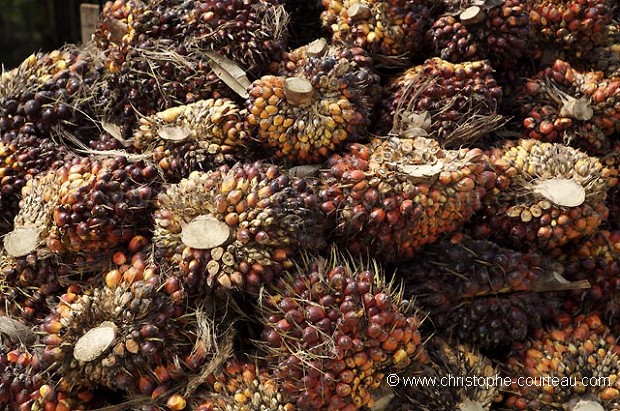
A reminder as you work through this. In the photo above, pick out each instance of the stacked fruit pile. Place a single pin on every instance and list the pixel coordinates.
(280, 205)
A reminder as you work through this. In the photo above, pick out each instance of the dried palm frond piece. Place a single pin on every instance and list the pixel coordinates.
(395, 195)
(460, 363)
(583, 349)
(236, 227)
(333, 329)
(548, 194)
(459, 100)
(562, 104)
(194, 137)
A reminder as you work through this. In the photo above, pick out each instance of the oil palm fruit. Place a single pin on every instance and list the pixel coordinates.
(256, 216)
(482, 293)
(22, 159)
(325, 97)
(461, 100)
(580, 350)
(96, 205)
(497, 31)
(197, 136)
(114, 30)
(251, 33)
(548, 195)
(562, 104)
(388, 28)
(575, 26)
(333, 329)
(595, 259)
(395, 195)
(154, 77)
(242, 385)
(458, 362)
(131, 338)
(51, 94)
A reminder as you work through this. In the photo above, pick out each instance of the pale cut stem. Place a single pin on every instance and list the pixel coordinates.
(317, 48)
(298, 91)
(469, 405)
(95, 342)
(359, 11)
(21, 241)
(205, 232)
(562, 192)
(472, 15)
(586, 405)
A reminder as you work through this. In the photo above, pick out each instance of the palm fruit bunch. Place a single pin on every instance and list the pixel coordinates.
(100, 204)
(154, 77)
(448, 362)
(547, 195)
(114, 30)
(393, 196)
(479, 30)
(562, 104)
(236, 227)
(333, 329)
(325, 98)
(241, 385)
(51, 93)
(574, 26)
(30, 274)
(461, 100)
(595, 259)
(482, 293)
(30, 284)
(197, 136)
(251, 33)
(607, 58)
(131, 338)
(611, 160)
(581, 353)
(388, 28)
(21, 159)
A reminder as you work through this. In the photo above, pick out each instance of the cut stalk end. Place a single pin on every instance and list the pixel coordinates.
(562, 192)
(586, 405)
(21, 241)
(95, 342)
(579, 109)
(472, 15)
(423, 170)
(359, 11)
(205, 232)
(317, 48)
(469, 405)
(173, 133)
(298, 91)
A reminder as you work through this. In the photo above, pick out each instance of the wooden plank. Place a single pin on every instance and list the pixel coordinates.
(89, 14)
